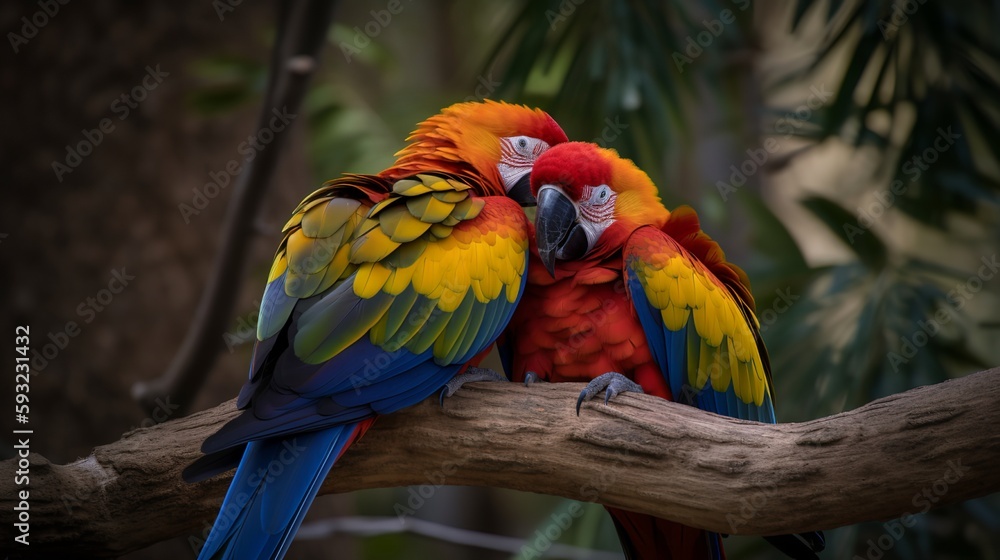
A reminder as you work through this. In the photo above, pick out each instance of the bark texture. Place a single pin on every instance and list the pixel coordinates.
(902, 454)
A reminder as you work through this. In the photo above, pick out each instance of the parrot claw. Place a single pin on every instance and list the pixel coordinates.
(531, 377)
(471, 375)
(612, 383)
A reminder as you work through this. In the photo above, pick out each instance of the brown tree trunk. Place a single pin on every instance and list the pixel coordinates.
(899, 455)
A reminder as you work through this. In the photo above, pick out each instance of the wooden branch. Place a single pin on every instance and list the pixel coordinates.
(902, 454)
(302, 31)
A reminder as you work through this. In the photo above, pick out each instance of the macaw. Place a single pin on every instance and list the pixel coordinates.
(383, 289)
(628, 296)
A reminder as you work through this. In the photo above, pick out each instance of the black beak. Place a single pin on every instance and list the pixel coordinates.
(557, 230)
(521, 191)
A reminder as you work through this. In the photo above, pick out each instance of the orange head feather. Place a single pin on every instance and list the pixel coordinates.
(464, 139)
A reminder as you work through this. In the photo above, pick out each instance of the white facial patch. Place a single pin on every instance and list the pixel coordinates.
(597, 208)
(517, 156)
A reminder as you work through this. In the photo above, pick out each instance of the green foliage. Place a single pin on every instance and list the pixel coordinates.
(921, 90)
(939, 60)
(226, 82)
(931, 62)
(597, 63)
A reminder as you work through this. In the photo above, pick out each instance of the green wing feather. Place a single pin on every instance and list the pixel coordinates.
(426, 267)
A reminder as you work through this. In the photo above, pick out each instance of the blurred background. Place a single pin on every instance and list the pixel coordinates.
(845, 153)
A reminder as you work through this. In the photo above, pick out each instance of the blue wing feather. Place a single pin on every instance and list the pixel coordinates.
(670, 352)
(275, 308)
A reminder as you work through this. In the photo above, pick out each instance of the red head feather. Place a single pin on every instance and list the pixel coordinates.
(575, 165)
(571, 166)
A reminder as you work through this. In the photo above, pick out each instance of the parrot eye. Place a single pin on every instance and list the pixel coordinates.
(524, 146)
(520, 152)
(517, 156)
(600, 195)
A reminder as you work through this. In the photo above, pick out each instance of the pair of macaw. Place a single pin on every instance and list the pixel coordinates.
(388, 286)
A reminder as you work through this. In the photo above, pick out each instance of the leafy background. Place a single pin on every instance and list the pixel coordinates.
(838, 96)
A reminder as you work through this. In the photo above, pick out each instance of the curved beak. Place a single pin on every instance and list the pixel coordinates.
(521, 191)
(555, 218)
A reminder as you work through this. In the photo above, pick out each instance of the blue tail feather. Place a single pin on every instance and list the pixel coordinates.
(271, 492)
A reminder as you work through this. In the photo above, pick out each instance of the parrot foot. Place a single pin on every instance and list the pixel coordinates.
(472, 374)
(612, 383)
(532, 377)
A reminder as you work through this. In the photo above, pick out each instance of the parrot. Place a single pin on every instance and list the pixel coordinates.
(383, 289)
(626, 295)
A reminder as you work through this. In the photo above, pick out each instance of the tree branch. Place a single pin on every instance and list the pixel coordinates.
(919, 449)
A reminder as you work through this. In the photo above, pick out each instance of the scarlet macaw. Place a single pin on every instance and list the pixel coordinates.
(633, 297)
(384, 288)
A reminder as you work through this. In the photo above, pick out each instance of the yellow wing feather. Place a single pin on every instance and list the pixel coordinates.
(721, 340)
(427, 263)
(482, 256)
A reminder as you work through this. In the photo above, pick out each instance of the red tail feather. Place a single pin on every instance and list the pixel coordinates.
(645, 537)
(359, 431)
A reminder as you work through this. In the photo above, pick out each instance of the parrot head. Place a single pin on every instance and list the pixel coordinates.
(500, 141)
(589, 199)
